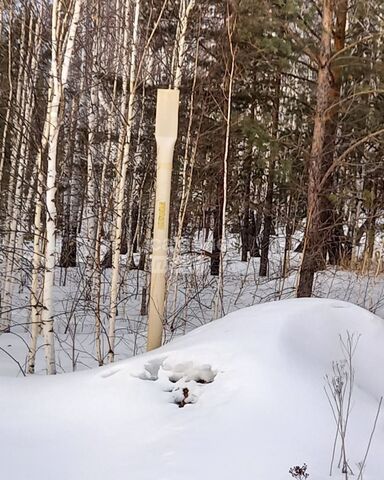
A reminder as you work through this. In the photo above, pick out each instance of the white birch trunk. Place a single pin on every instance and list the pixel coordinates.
(38, 248)
(35, 49)
(14, 201)
(50, 239)
(102, 204)
(219, 300)
(91, 204)
(119, 206)
(10, 97)
(176, 69)
(186, 7)
(61, 51)
(38, 240)
(188, 166)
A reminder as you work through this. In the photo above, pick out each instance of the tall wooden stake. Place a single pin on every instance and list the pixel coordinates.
(166, 134)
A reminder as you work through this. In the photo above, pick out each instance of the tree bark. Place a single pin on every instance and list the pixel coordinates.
(217, 230)
(61, 56)
(268, 205)
(331, 221)
(245, 224)
(117, 237)
(314, 235)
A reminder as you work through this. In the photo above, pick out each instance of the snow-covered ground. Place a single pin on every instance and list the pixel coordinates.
(256, 379)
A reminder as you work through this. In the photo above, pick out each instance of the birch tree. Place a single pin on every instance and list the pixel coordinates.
(122, 170)
(16, 175)
(219, 300)
(62, 40)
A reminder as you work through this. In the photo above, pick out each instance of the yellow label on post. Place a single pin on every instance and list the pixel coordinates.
(161, 217)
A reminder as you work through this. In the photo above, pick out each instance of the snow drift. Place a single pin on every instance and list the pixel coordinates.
(253, 388)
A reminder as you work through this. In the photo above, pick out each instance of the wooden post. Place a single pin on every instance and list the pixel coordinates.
(166, 135)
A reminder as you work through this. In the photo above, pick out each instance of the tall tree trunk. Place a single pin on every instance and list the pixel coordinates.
(123, 171)
(331, 221)
(268, 205)
(38, 251)
(92, 159)
(14, 201)
(62, 49)
(254, 232)
(371, 227)
(245, 221)
(288, 238)
(72, 195)
(314, 234)
(217, 228)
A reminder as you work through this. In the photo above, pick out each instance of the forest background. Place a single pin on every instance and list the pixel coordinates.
(277, 185)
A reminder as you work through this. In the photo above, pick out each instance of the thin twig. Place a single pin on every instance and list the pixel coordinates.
(370, 439)
(14, 359)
